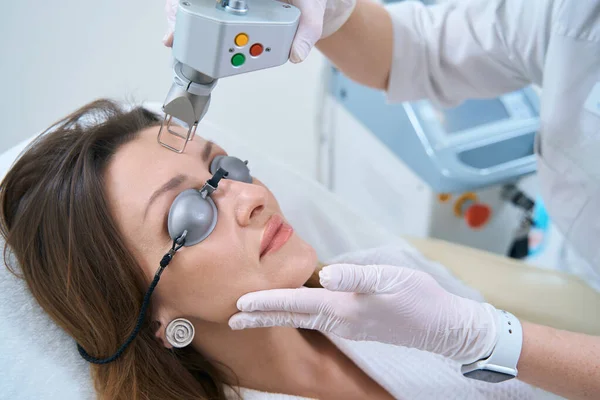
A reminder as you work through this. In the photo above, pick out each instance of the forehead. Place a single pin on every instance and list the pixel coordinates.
(146, 146)
(145, 151)
(142, 165)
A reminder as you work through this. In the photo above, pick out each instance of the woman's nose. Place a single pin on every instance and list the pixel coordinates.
(245, 199)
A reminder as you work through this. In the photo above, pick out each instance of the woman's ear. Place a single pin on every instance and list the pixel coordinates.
(159, 327)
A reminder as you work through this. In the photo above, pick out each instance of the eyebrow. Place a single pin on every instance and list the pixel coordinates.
(177, 180)
(207, 150)
(171, 184)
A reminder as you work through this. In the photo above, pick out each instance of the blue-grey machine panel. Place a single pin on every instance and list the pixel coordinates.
(477, 144)
(480, 143)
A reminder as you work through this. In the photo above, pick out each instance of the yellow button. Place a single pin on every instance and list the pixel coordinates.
(241, 40)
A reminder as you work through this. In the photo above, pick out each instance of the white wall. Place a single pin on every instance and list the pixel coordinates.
(55, 56)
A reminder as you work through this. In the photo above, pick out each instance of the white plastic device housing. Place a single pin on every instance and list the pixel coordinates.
(205, 33)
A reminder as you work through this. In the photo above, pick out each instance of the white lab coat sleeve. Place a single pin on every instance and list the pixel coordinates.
(464, 49)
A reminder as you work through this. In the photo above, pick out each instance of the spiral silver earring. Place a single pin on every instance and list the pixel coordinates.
(180, 332)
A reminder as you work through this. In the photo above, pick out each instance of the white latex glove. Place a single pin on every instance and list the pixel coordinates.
(381, 303)
(319, 19)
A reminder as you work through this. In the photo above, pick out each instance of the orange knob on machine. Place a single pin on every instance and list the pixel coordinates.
(444, 197)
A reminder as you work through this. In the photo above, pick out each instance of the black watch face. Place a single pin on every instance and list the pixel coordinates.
(488, 376)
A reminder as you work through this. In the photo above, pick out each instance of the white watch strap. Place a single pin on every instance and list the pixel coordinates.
(510, 341)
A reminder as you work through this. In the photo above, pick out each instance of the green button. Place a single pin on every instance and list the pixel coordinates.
(238, 60)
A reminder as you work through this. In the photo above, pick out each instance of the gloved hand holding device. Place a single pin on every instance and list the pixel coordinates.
(319, 19)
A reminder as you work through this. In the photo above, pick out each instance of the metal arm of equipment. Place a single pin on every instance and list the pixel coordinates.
(213, 41)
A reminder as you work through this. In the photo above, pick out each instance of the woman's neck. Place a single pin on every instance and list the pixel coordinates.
(276, 360)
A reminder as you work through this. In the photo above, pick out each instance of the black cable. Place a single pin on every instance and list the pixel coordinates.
(517, 197)
(519, 248)
(177, 244)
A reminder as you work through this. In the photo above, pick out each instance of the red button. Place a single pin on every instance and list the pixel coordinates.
(256, 50)
(478, 215)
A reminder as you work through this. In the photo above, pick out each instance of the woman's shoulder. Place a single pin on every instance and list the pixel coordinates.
(251, 394)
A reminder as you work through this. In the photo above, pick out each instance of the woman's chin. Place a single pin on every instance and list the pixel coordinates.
(293, 264)
(305, 267)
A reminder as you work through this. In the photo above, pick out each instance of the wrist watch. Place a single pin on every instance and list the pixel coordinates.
(501, 365)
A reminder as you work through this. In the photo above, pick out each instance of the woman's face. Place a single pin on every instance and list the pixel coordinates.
(203, 281)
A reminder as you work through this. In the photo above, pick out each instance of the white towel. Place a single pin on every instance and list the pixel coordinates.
(33, 346)
(408, 373)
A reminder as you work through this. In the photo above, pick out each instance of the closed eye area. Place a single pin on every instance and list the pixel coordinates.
(171, 184)
(178, 180)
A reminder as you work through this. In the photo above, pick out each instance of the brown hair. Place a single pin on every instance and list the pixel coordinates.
(56, 221)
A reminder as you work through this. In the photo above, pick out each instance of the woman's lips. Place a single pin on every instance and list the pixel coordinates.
(276, 234)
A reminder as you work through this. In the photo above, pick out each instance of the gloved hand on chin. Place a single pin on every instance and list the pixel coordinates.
(319, 19)
(382, 303)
